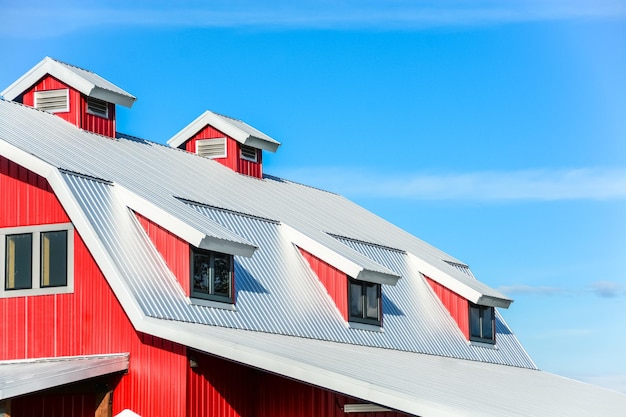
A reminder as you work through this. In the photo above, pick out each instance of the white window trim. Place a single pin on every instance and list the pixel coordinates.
(36, 255)
(215, 140)
(63, 110)
(245, 158)
(106, 113)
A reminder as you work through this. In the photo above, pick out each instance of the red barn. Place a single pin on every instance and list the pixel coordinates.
(183, 281)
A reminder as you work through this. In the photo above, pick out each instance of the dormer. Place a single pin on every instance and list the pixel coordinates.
(231, 142)
(76, 95)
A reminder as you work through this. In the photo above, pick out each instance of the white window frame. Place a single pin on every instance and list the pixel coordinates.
(36, 232)
(214, 140)
(245, 158)
(61, 110)
(106, 106)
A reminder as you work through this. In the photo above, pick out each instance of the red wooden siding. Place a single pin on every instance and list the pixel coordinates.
(233, 150)
(226, 389)
(456, 305)
(74, 405)
(173, 249)
(88, 321)
(77, 115)
(335, 281)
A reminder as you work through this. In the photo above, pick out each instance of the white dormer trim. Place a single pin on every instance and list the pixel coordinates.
(88, 83)
(236, 129)
(345, 265)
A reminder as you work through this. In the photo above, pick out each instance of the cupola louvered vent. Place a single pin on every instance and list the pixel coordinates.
(211, 148)
(53, 101)
(97, 107)
(248, 153)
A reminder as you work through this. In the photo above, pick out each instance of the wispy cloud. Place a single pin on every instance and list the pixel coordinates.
(543, 185)
(616, 382)
(603, 289)
(65, 16)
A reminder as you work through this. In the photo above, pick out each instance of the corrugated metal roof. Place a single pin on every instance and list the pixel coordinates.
(424, 385)
(160, 175)
(20, 377)
(86, 82)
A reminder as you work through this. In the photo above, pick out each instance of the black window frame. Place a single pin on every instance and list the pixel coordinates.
(481, 324)
(363, 319)
(210, 294)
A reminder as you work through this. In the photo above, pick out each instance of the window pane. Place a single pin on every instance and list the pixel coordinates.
(53, 259)
(371, 293)
(474, 322)
(488, 323)
(201, 272)
(222, 274)
(18, 270)
(356, 300)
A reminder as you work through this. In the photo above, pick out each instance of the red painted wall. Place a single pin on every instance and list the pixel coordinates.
(88, 321)
(335, 281)
(233, 150)
(222, 388)
(456, 305)
(77, 115)
(174, 250)
(73, 405)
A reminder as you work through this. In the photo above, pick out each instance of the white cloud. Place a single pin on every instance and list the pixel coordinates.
(66, 16)
(542, 185)
(603, 289)
(614, 382)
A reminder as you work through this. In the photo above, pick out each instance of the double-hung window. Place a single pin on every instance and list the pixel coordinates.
(482, 323)
(36, 260)
(364, 302)
(211, 275)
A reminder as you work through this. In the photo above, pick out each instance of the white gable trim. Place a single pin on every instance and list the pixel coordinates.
(338, 261)
(457, 286)
(64, 74)
(220, 123)
(181, 229)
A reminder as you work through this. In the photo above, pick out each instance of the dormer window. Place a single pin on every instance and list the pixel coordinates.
(249, 153)
(212, 275)
(364, 301)
(53, 101)
(97, 107)
(482, 323)
(211, 148)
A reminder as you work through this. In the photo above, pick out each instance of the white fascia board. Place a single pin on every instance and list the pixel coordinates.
(179, 228)
(457, 286)
(317, 249)
(345, 265)
(67, 76)
(112, 97)
(188, 131)
(25, 159)
(95, 247)
(186, 334)
(261, 144)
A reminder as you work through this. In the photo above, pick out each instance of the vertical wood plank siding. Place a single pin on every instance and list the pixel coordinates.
(88, 321)
(233, 149)
(456, 305)
(77, 115)
(335, 281)
(173, 249)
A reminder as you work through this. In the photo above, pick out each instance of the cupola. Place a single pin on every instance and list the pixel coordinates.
(76, 95)
(229, 141)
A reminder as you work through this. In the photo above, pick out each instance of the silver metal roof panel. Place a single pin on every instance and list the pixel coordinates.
(21, 377)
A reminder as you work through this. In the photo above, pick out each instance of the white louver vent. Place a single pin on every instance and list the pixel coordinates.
(211, 148)
(53, 101)
(248, 153)
(97, 107)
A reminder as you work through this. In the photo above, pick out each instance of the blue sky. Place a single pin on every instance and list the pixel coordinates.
(493, 130)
